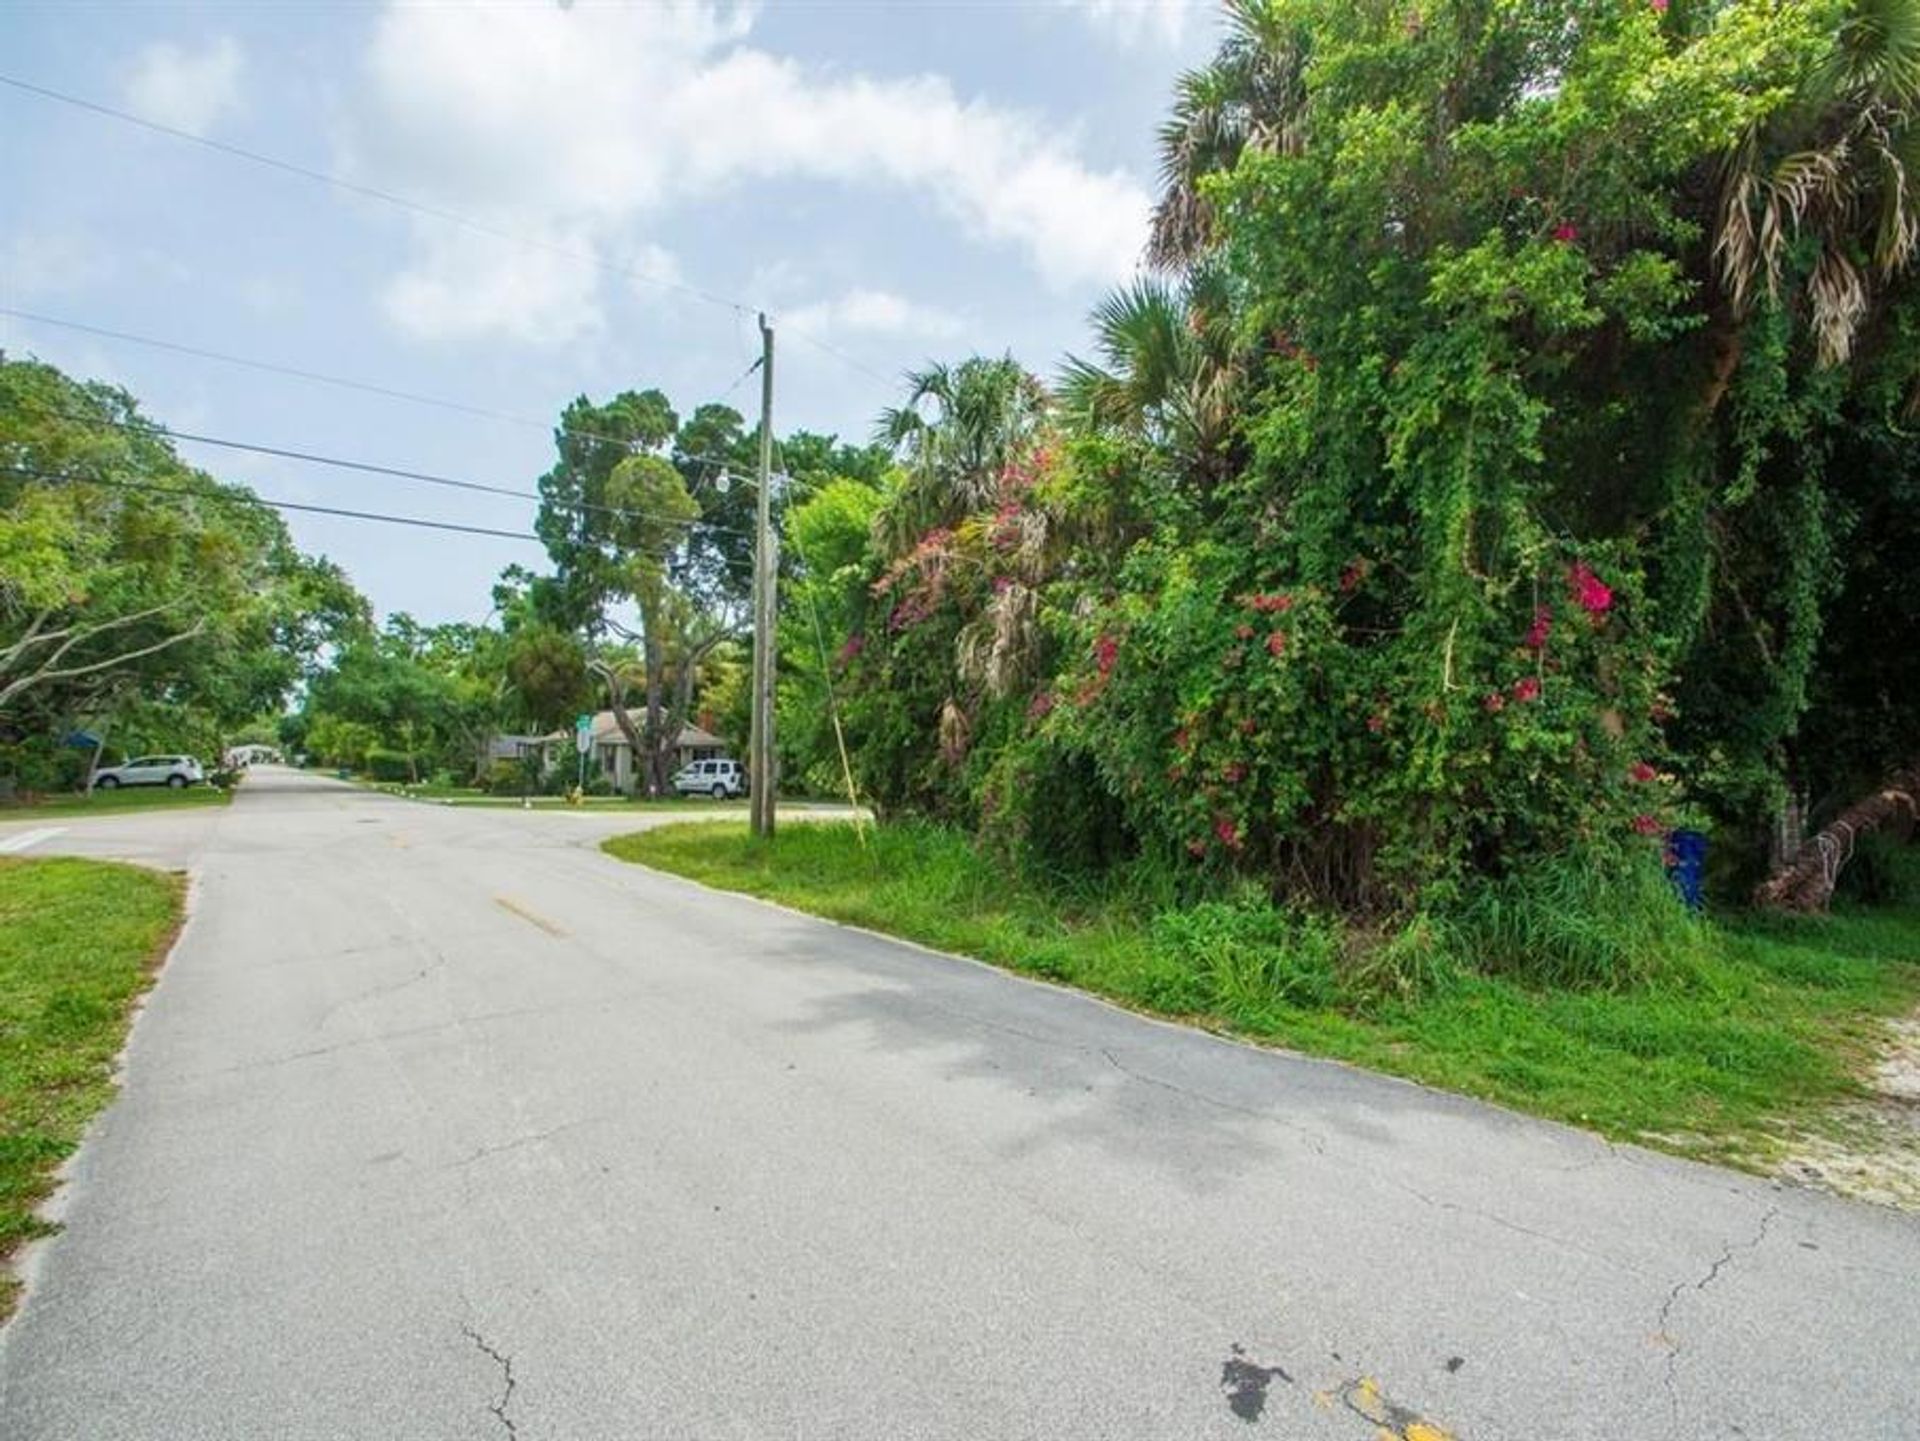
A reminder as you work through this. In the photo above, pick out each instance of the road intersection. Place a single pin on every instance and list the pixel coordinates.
(442, 1124)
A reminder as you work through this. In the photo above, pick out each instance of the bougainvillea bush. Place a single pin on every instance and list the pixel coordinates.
(1467, 497)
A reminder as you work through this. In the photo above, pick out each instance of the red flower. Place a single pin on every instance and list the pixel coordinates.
(1277, 643)
(1377, 722)
(1495, 702)
(1641, 772)
(1249, 726)
(1040, 705)
(1228, 833)
(1541, 628)
(855, 644)
(1106, 651)
(1181, 739)
(1646, 825)
(1594, 595)
(1527, 688)
(1233, 772)
(1355, 573)
(1565, 233)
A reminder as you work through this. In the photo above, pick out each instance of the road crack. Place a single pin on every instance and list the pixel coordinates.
(1728, 1251)
(505, 1363)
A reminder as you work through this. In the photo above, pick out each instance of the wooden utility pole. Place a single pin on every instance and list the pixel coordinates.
(762, 774)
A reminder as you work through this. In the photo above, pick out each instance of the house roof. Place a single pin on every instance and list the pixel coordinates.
(607, 732)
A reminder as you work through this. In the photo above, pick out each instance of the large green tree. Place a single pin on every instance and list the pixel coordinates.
(138, 595)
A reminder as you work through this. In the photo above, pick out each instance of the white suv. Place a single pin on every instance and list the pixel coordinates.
(719, 779)
(175, 771)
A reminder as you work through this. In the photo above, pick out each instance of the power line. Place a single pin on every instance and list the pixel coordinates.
(273, 368)
(180, 493)
(386, 197)
(345, 383)
(144, 427)
(436, 212)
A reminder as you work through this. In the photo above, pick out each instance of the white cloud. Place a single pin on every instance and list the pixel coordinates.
(870, 312)
(466, 286)
(594, 119)
(40, 263)
(1133, 22)
(653, 268)
(189, 90)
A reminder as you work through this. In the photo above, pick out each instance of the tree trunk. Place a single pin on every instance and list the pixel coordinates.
(1806, 883)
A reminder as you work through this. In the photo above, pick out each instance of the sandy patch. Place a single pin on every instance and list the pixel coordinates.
(1871, 1150)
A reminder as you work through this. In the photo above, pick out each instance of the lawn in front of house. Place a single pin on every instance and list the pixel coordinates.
(79, 941)
(115, 801)
(1754, 1042)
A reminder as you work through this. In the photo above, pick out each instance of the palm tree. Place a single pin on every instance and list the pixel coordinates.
(1836, 170)
(960, 428)
(1251, 96)
(1170, 370)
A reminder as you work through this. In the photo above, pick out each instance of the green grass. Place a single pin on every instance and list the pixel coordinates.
(467, 796)
(1757, 1029)
(117, 802)
(78, 942)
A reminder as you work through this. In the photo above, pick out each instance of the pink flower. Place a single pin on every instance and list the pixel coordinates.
(1196, 848)
(1594, 595)
(1527, 688)
(1243, 632)
(1565, 233)
(1646, 825)
(1659, 6)
(1640, 772)
(1541, 628)
(1377, 722)
(1002, 583)
(1106, 651)
(1233, 772)
(1041, 705)
(1494, 703)
(1228, 833)
(1277, 643)
(855, 644)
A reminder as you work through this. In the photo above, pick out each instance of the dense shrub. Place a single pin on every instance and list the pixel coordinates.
(386, 765)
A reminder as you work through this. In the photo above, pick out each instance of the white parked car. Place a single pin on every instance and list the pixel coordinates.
(719, 779)
(175, 771)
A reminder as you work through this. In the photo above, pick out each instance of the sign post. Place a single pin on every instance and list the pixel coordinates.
(582, 743)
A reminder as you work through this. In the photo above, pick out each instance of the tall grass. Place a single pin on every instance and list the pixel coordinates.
(1580, 927)
(1587, 1000)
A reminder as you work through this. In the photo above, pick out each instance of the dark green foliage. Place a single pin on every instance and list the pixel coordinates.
(386, 765)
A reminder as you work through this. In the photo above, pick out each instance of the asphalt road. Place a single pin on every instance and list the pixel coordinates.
(442, 1124)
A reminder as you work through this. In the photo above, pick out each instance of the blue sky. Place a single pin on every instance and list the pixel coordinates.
(898, 181)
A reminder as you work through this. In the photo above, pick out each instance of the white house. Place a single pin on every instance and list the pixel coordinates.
(612, 757)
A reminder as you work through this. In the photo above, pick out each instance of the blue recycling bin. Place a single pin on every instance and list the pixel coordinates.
(1687, 866)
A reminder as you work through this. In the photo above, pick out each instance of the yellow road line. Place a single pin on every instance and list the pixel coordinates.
(530, 917)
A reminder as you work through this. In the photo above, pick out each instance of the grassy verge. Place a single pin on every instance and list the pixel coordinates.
(465, 796)
(78, 942)
(125, 801)
(1762, 1031)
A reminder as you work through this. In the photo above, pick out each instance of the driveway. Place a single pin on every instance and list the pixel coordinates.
(442, 1124)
